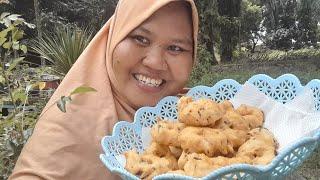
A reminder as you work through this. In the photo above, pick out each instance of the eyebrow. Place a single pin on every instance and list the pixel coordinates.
(187, 41)
(182, 41)
(143, 29)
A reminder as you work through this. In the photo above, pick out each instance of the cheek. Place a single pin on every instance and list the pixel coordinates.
(125, 56)
(120, 53)
(181, 69)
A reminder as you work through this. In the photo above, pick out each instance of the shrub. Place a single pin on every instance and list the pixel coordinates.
(202, 65)
(63, 47)
(16, 82)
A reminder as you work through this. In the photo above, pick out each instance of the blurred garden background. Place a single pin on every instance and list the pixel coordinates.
(41, 39)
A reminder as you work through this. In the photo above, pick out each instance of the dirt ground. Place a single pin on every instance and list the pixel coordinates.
(309, 169)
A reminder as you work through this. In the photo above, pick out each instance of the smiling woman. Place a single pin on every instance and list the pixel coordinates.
(156, 58)
(143, 53)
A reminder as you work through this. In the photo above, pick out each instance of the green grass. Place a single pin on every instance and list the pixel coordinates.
(304, 70)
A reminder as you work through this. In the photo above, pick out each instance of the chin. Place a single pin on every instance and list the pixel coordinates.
(150, 103)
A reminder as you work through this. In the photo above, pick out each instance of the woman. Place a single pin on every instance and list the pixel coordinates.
(143, 53)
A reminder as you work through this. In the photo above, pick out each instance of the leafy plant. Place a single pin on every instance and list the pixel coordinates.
(202, 66)
(63, 47)
(15, 87)
(61, 103)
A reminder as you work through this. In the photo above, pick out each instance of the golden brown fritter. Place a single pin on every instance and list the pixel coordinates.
(166, 132)
(132, 157)
(226, 106)
(203, 112)
(233, 120)
(252, 115)
(157, 149)
(260, 148)
(199, 165)
(183, 102)
(212, 142)
(151, 166)
(175, 151)
(157, 159)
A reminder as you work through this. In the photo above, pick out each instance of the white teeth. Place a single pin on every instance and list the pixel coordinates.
(148, 81)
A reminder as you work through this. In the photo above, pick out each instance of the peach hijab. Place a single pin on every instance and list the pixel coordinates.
(67, 145)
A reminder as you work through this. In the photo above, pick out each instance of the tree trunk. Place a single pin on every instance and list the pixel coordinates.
(229, 10)
(210, 46)
(38, 23)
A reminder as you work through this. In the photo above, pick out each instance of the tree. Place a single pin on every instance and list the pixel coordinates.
(307, 24)
(229, 11)
(251, 18)
(209, 31)
(280, 23)
(82, 13)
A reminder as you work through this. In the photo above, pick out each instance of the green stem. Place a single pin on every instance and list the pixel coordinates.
(6, 81)
(15, 110)
(22, 118)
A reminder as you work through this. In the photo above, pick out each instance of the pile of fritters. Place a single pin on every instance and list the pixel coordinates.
(208, 136)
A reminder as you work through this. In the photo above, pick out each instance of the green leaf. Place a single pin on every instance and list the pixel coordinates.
(4, 32)
(2, 80)
(15, 63)
(18, 22)
(7, 22)
(31, 26)
(3, 15)
(23, 48)
(18, 34)
(14, 17)
(7, 45)
(62, 47)
(83, 89)
(2, 40)
(19, 95)
(61, 103)
(15, 45)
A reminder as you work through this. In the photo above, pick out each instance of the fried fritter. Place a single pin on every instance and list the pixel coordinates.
(226, 106)
(199, 165)
(175, 151)
(132, 157)
(233, 120)
(157, 159)
(260, 148)
(203, 112)
(212, 142)
(151, 166)
(252, 115)
(157, 149)
(166, 132)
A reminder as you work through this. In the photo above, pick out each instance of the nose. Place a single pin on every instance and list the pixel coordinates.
(155, 59)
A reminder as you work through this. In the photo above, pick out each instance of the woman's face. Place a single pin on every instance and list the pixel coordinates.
(156, 58)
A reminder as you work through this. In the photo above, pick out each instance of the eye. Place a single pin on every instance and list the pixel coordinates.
(175, 49)
(141, 40)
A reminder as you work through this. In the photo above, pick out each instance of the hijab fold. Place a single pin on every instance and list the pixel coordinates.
(66, 146)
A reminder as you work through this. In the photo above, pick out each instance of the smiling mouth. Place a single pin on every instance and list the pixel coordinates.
(151, 82)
